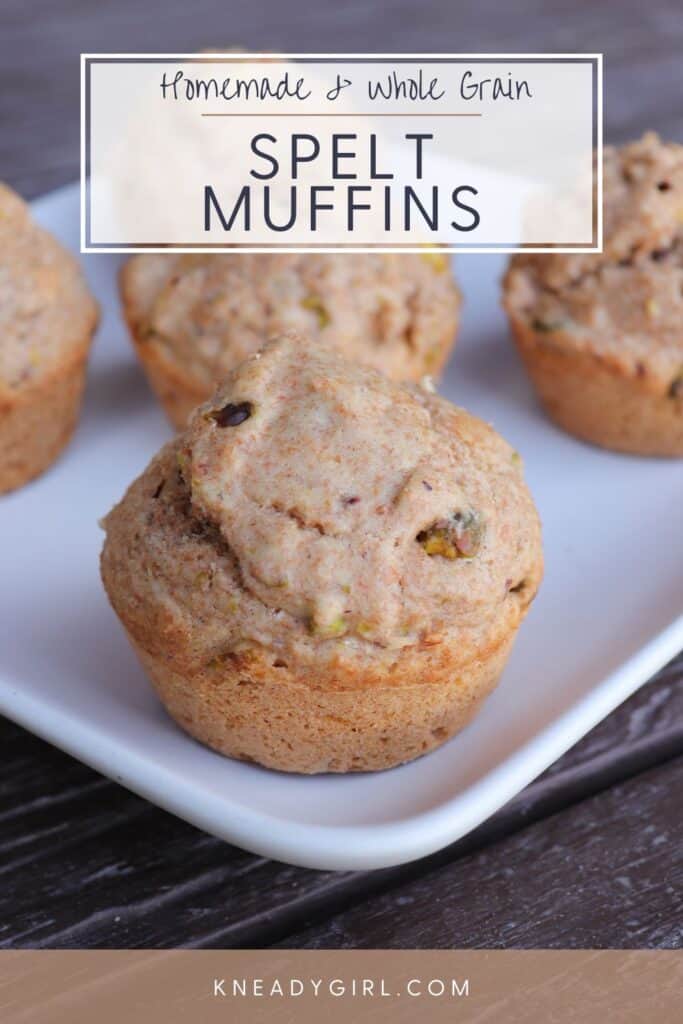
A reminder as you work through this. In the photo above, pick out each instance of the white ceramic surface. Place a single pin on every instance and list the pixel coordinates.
(609, 614)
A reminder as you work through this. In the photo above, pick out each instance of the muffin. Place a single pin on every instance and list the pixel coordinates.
(326, 571)
(602, 335)
(193, 318)
(47, 318)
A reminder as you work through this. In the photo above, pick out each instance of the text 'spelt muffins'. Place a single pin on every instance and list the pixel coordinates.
(327, 570)
(602, 335)
(47, 318)
(194, 318)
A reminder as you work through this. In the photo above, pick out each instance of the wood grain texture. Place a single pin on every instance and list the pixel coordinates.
(590, 877)
(85, 863)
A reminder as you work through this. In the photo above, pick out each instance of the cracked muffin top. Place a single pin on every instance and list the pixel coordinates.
(46, 311)
(625, 303)
(208, 312)
(312, 502)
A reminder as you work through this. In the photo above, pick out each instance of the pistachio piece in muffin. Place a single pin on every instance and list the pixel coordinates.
(276, 571)
(47, 318)
(195, 317)
(601, 335)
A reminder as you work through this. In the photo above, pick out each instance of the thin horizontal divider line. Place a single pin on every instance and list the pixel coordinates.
(302, 114)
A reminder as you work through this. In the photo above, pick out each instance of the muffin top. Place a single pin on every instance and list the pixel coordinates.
(46, 311)
(315, 503)
(625, 303)
(208, 312)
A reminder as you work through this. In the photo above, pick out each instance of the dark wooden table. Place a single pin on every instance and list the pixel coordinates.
(589, 855)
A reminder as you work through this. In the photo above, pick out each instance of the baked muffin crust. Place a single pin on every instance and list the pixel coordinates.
(318, 530)
(195, 317)
(47, 317)
(601, 334)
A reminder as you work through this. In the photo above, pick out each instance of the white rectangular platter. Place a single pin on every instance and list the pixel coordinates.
(610, 613)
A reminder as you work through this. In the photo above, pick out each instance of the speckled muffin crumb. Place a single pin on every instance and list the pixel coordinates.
(326, 571)
(602, 335)
(47, 318)
(193, 318)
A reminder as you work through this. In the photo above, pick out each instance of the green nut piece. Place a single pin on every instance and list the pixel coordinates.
(433, 358)
(315, 304)
(548, 326)
(328, 630)
(459, 536)
(437, 260)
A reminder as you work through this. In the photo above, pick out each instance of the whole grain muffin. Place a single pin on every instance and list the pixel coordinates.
(326, 570)
(47, 318)
(602, 335)
(193, 318)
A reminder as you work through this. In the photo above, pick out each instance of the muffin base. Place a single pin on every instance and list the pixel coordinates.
(253, 711)
(178, 395)
(37, 423)
(600, 402)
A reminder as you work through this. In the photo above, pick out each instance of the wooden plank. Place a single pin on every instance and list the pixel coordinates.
(85, 863)
(39, 48)
(606, 873)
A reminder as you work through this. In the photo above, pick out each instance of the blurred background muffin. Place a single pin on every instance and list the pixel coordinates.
(47, 319)
(602, 335)
(195, 317)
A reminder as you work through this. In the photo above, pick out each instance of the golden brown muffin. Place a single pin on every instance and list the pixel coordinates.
(47, 318)
(602, 335)
(327, 570)
(193, 318)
